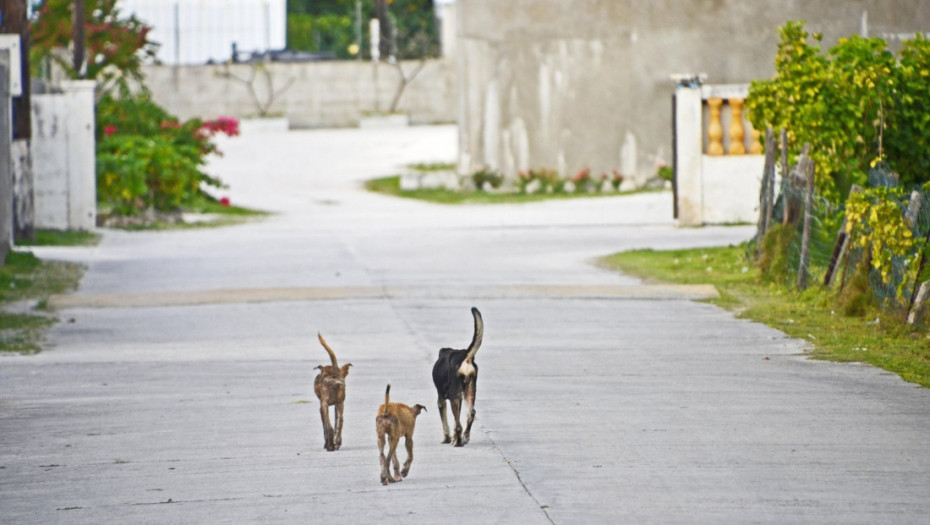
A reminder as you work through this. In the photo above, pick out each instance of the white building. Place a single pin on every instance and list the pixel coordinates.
(199, 31)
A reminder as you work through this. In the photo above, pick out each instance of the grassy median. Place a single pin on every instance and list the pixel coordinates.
(877, 338)
(26, 283)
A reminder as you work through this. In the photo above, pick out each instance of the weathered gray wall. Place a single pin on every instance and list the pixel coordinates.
(311, 94)
(572, 83)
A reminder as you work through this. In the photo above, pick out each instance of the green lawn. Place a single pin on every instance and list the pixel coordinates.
(391, 186)
(25, 278)
(878, 339)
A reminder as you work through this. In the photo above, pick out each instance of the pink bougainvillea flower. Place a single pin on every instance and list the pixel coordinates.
(225, 201)
(109, 130)
(227, 125)
(583, 174)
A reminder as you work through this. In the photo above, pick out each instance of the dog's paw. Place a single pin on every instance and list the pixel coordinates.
(397, 479)
(447, 440)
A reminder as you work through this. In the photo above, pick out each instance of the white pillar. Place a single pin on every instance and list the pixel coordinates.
(82, 160)
(688, 122)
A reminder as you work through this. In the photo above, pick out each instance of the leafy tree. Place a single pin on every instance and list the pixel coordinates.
(331, 25)
(116, 46)
(854, 104)
(907, 142)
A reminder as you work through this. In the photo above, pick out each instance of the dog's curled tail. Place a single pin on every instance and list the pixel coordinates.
(387, 399)
(332, 355)
(478, 337)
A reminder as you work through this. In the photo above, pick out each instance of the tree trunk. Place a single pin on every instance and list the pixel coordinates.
(77, 37)
(385, 48)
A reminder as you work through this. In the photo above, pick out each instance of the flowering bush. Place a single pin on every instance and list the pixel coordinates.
(147, 159)
(614, 177)
(115, 46)
(487, 178)
(582, 179)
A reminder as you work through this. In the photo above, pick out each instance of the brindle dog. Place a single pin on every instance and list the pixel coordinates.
(393, 421)
(330, 388)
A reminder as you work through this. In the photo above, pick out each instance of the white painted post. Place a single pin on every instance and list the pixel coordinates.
(6, 166)
(688, 122)
(82, 179)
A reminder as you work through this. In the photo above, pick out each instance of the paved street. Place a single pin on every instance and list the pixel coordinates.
(177, 387)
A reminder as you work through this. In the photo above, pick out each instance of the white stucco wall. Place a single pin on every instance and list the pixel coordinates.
(197, 31)
(63, 158)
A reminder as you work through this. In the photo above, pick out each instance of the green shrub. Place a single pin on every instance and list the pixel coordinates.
(146, 159)
(773, 259)
(486, 177)
(853, 104)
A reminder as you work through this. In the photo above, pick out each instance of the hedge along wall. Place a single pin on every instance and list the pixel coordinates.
(310, 94)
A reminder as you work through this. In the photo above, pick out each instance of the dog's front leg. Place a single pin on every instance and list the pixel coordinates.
(456, 413)
(338, 414)
(447, 437)
(327, 428)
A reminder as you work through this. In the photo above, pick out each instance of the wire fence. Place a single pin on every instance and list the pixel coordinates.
(805, 240)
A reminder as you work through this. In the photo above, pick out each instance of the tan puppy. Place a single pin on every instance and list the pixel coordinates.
(330, 388)
(393, 421)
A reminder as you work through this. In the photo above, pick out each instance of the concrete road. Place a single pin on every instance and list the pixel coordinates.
(178, 386)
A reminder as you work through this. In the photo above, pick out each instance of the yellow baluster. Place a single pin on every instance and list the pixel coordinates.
(737, 132)
(715, 128)
(755, 147)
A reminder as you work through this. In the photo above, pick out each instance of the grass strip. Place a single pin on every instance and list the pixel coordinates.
(391, 186)
(26, 278)
(879, 339)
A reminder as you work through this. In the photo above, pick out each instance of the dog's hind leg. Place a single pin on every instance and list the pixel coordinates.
(447, 437)
(469, 408)
(327, 427)
(408, 442)
(393, 457)
(385, 470)
(338, 414)
(456, 413)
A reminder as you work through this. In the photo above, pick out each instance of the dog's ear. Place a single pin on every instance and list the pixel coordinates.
(318, 367)
(417, 409)
(345, 369)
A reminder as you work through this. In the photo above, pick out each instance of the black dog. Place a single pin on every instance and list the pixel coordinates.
(455, 375)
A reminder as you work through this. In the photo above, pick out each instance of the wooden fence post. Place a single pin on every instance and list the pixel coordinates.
(765, 193)
(795, 185)
(841, 244)
(808, 168)
(918, 294)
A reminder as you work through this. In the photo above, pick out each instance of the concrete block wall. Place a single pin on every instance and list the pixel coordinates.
(309, 94)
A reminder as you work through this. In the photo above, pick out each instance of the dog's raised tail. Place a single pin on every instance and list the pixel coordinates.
(478, 337)
(387, 399)
(332, 355)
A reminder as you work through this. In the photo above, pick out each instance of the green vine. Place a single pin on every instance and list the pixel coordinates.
(875, 222)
